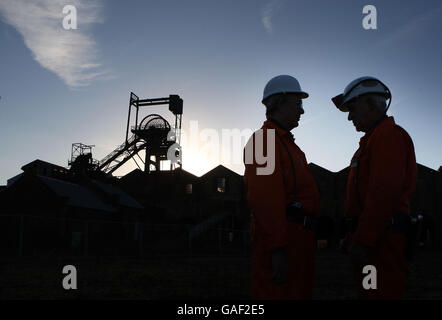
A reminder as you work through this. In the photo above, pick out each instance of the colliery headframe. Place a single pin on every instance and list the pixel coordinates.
(160, 208)
(153, 135)
(84, 209)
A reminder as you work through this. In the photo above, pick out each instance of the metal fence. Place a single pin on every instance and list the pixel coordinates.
(26, 235)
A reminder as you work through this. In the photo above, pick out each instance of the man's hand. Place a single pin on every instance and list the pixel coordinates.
(280, 266)
(359, 253)
(345, 244)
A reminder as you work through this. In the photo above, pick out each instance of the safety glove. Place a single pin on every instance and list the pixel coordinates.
(344, 244)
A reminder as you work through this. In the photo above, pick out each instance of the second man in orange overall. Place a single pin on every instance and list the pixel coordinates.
(283, 199)
(381, 180)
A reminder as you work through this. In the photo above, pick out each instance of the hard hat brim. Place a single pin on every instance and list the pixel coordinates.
(343, 106)
(338, 102)
(302, 94)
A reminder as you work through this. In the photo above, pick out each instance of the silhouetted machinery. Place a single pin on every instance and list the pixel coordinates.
(153, 135)
(81, 159)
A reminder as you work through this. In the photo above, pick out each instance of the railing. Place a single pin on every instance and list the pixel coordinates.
(28, 235)
(104, 164)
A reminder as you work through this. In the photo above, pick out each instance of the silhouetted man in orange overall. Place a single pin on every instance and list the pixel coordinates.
(283, 199)
(381, 179)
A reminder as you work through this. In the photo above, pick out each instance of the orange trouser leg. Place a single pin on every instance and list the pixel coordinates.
(301, 260)
(391, 268)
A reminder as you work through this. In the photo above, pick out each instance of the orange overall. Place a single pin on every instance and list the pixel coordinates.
(268, 195)
(382, 178)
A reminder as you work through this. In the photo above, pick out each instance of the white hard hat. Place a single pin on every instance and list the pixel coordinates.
(283, 84)
(359, 87)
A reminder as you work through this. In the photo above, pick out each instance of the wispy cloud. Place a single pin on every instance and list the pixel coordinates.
(71, 54)
(268, 12)
(413, 28)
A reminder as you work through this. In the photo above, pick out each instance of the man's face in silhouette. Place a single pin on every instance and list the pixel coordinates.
(291, 109)
(363, 112)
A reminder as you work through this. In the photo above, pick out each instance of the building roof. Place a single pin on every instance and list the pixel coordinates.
(77, 195)
(422, 167)
(220, 169)
(13, 179)
(123, 198)
(39, 162)
(319, 168)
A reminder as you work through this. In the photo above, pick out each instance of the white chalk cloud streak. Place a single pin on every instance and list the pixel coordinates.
(70, 54)
(268, 12)
(413, 28)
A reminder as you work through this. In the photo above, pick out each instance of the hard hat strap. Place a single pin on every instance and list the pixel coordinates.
(389, 102)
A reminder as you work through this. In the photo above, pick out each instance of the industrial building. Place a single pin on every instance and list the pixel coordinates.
(85, 210)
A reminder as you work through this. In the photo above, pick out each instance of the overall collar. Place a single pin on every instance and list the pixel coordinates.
(273, 124)
(384, 120)
(377, 122)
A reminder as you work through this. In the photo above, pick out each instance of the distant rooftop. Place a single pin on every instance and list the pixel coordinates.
(123, 198)
(77, 196)
(38, 162)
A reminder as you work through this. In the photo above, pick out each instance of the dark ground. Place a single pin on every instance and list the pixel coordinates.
(187, 278)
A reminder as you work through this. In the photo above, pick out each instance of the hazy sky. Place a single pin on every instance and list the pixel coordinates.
(62, 86)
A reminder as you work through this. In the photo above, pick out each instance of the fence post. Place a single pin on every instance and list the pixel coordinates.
(244, 241)
(140, 238)
(189, 241)
(219, 241)
(86, 238)
(21, 236)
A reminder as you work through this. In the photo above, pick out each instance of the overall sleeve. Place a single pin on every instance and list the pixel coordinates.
(387, 173)
(266, 197)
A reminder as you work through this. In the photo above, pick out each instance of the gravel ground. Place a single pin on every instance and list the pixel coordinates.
(187, 278)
